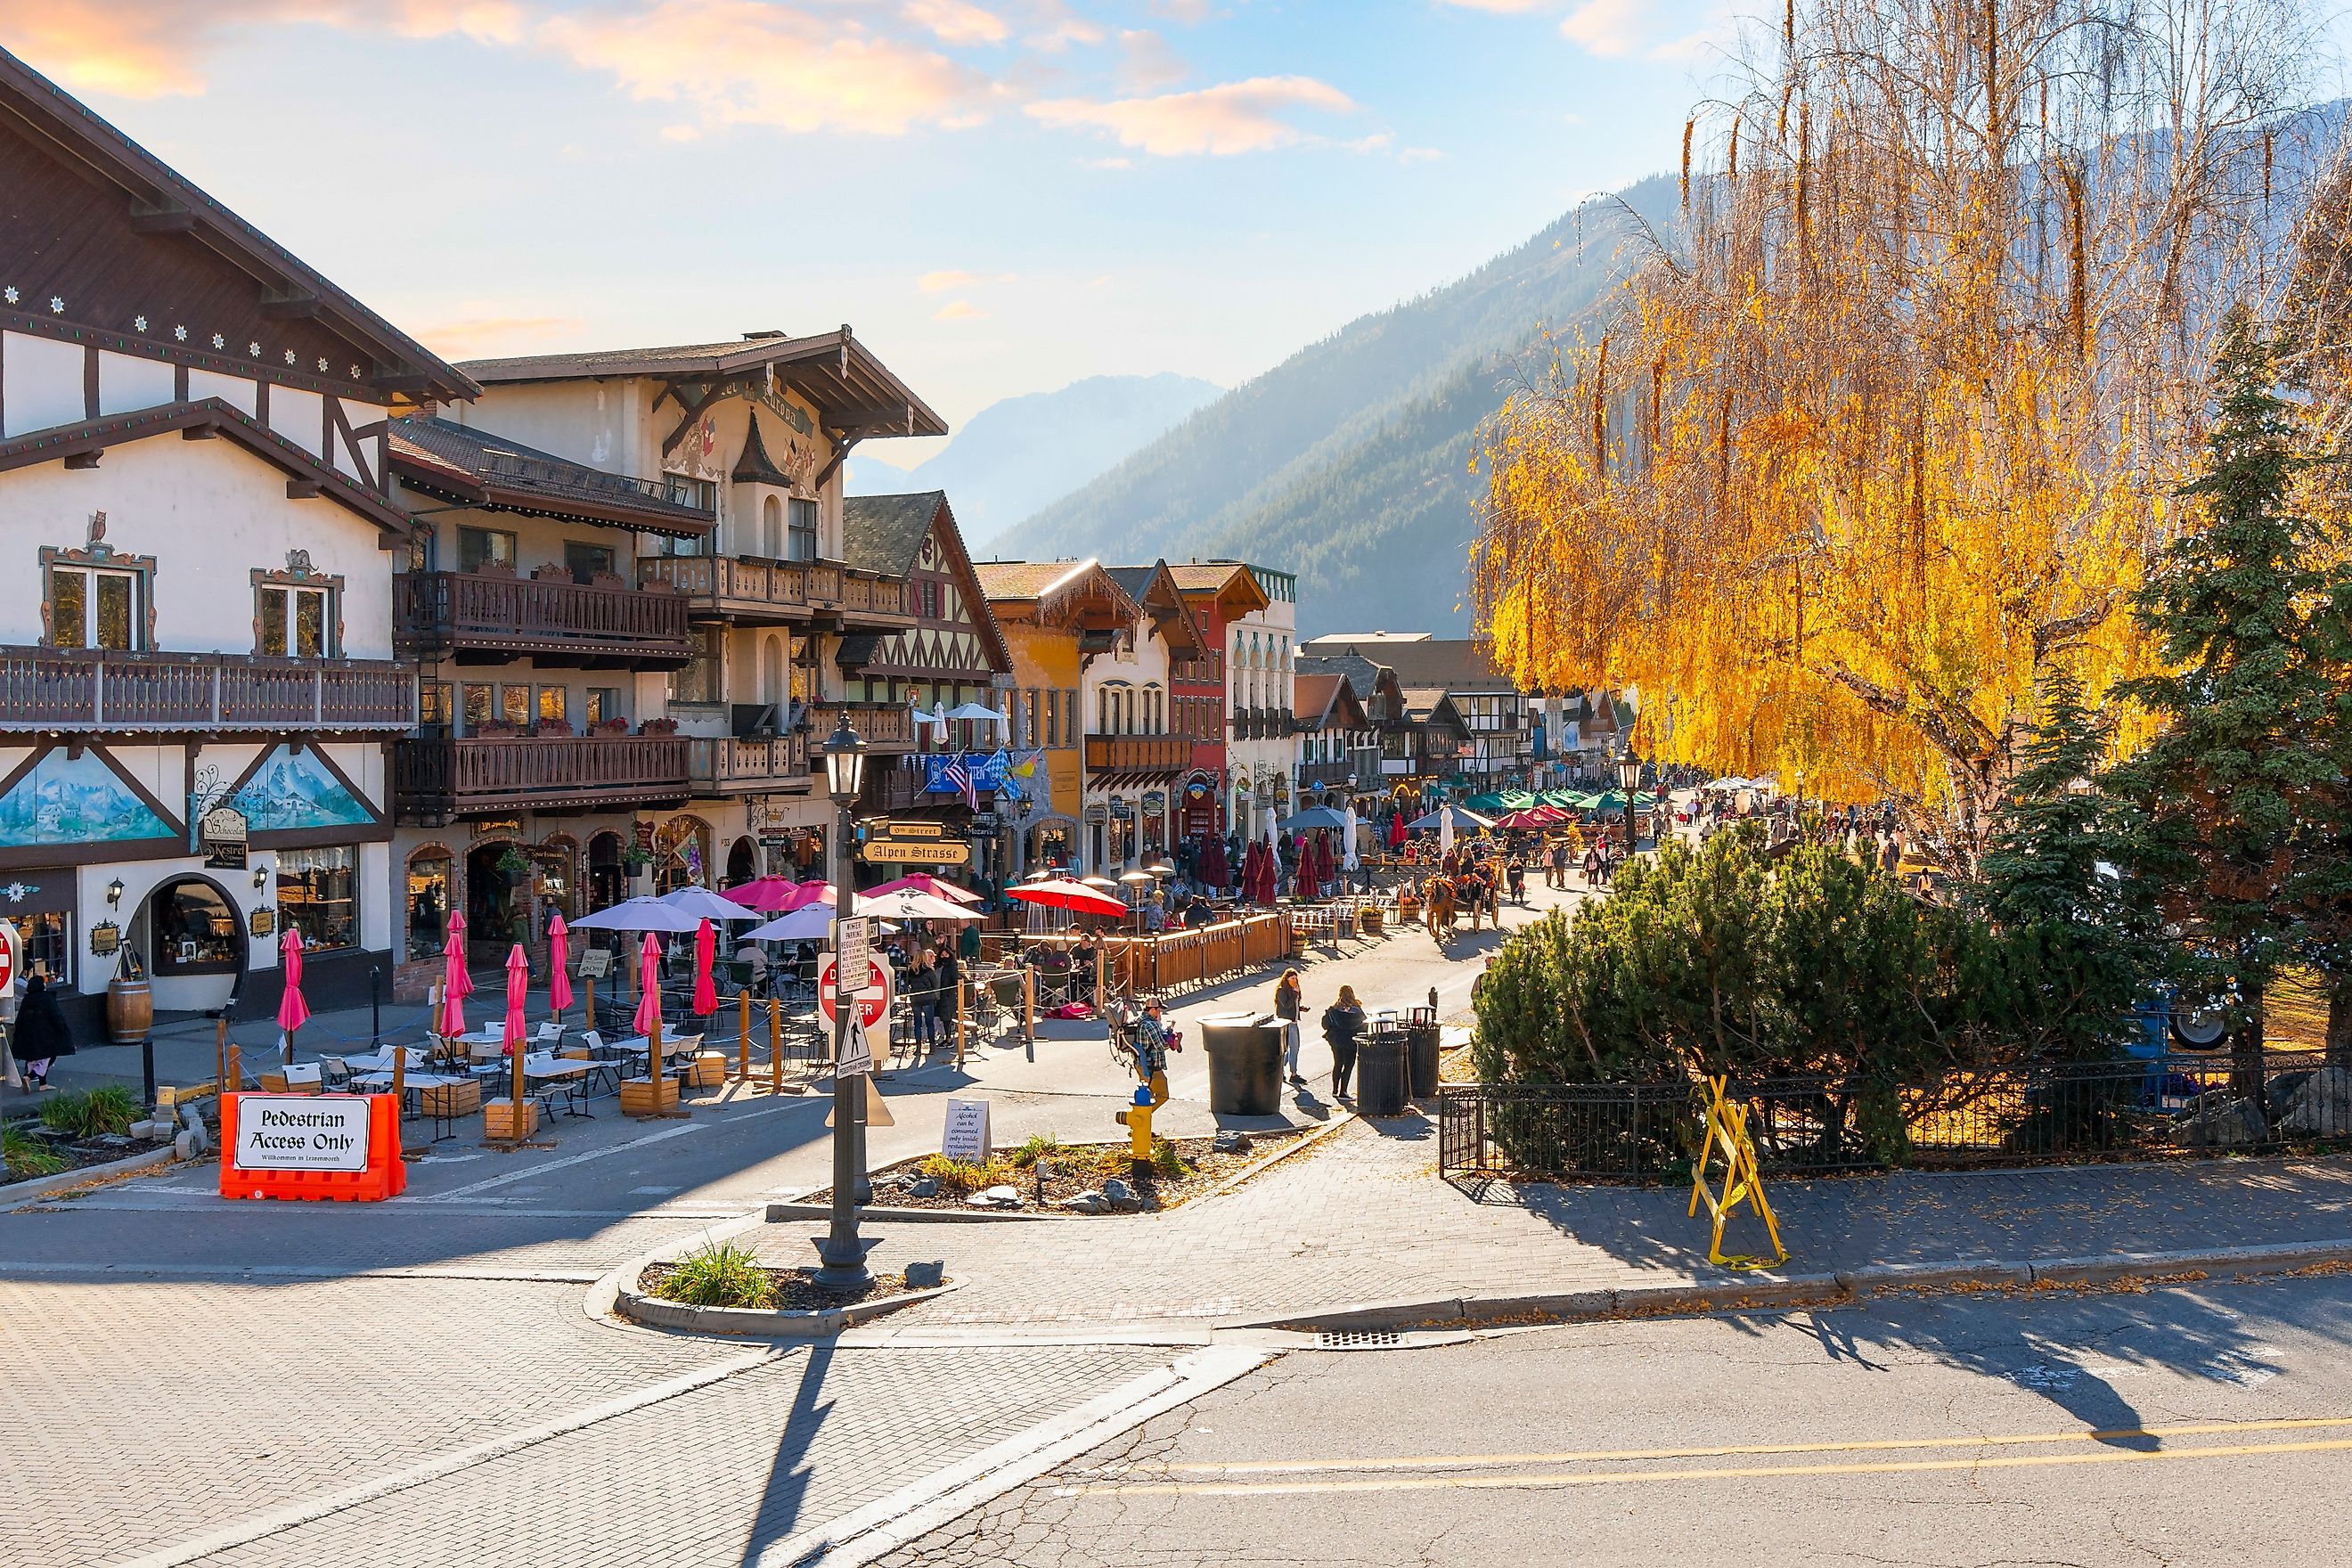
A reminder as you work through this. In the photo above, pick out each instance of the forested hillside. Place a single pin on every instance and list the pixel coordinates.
(1348, 462)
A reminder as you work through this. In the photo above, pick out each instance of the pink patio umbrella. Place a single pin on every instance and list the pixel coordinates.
(705, 993)
(292, 1011)
(455, 984)
(559, 956)
(810, 893)
(917, 882)
(518, 989)
(769, 895)
(648, 1020)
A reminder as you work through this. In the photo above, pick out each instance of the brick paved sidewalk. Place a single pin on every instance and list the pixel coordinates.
(1364, 1218)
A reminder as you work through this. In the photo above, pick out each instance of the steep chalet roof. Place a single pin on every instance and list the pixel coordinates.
(463, 464)
(885, 534)
(1454, 664)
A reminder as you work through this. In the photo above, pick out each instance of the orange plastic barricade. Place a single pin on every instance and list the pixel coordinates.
(338, 1147)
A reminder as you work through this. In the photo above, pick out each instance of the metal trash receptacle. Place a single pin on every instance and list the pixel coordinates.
(1421, 1041)
(1244, 1064)
(1381, 1074)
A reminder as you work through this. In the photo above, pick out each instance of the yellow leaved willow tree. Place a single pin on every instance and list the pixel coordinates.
(1892, 418)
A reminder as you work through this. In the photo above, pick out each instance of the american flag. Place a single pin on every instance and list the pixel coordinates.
(958, 776)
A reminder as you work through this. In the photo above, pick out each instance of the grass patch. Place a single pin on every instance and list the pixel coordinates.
(27, 1156)
(720, 1275)
(90, 1113)
(960, 1178)
(1167, 1159)
(1041, 1146)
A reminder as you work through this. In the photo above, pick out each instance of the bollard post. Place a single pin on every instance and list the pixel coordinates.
(1102, 960)
(233, 1073)
(220, 1054)
(1029, 1009)
(743, 1037)
(963, 992)
(775, 1046)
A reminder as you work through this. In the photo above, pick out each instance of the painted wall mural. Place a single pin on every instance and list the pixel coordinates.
(291, 791)
(75, 800)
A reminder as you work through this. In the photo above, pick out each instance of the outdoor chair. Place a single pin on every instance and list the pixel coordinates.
(334, 1074)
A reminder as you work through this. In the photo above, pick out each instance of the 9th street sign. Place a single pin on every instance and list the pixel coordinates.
(914, 844)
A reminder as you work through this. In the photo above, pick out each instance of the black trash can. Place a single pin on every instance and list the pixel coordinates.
(1420, 1052)
(1381, 1074)
(1245, 1065)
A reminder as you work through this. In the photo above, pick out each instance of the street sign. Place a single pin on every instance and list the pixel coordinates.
(873, 1003)
(857, 1055)
(907, 852)
(7, 955)
(852, 941)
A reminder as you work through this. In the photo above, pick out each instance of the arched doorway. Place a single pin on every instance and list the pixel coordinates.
(498, 877)
(429, 870)
(742, 862)
(608, 877)
(194, 943)
(681, 853)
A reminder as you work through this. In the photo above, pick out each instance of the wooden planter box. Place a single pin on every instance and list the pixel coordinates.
(453, 1099)
(1374, 919)
(640, 1097)
(499, 1120)
(709, 1070)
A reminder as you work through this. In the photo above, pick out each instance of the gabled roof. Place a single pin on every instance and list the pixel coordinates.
(1365, 677)
(461, 463)
(1455, 663)
(1431, 705)
(1233, 585)
(1327, 702)
(1051, 587)
(1154, 588)
(831, 370)
(168, 205)
(885, 534)
(207, 416)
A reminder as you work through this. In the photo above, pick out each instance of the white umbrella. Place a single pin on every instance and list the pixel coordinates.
(907, 904)
(813, 922)
(1445, 834)
(704, 904)
(976, 713)
(640, 914)
(1349, 840)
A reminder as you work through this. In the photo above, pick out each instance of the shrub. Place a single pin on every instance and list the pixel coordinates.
(718, 1275)
(958, 1178)
(1040, 1146)
(89, 1114)
(26, 1156)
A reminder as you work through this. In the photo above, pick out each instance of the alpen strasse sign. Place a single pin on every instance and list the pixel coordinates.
(301, 1132)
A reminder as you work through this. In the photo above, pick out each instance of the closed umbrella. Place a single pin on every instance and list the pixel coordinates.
(518, 989)
(455, 984)
(705, 993)
(558, 958)
(1326, 871)
(1397, 834)
(1347, 842)
(1444, 832)
(648, 1020)
(292, 1011)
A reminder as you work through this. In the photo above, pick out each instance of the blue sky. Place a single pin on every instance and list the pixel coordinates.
(1001, 195)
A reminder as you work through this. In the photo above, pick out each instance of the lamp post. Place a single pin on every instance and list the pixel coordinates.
(1629, 779)
(841, 1252)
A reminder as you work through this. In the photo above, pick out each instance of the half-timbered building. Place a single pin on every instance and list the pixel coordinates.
(197, 688)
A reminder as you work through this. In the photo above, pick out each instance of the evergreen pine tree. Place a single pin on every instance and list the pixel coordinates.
(2238, 606)
(2076, 946)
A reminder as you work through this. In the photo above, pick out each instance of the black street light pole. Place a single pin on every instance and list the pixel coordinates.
(1629, 779)
(842, 1252)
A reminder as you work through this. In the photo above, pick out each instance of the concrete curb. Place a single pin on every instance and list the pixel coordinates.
(1772, 1289)
(765, 1324)
(17, 1193)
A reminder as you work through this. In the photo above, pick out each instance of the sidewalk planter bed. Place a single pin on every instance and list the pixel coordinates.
(726, 1289)
(2147, 1107)
(1182, 1169)
(70, 1131)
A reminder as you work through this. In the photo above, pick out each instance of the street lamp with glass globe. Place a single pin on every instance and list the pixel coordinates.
(1629, 779)
(841, 1252)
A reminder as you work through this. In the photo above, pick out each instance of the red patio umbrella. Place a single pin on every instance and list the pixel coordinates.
(292, 1011)
(1397, 831)
(518, 990)
(1076, 896)
(706, 994)
(1326, 871)
(559, 957)
(917, 882)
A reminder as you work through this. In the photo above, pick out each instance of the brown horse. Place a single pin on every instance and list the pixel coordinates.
(1438, 907)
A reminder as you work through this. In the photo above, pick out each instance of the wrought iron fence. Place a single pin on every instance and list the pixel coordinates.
(2134, 1109)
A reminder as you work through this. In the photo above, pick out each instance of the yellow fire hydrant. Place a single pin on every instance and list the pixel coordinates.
(1138, 1117)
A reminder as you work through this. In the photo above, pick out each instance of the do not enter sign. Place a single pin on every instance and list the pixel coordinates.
(7, 955)
(873, 1002)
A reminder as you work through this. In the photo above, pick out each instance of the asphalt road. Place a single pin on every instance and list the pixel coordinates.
(2179, 1426)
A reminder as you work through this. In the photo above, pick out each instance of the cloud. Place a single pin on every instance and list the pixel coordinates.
(1419, 155)
(1189, 11)
(959, 311)
(149, 48)
(1500, 8)
(741, 62)
(1221, 120)
(1054, 27)
(957, 21)
(1606, 27)
(471, 337)
(1110, 163)
(1148, 64)
(941, 282)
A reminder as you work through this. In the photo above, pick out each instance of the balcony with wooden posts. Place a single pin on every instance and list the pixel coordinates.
(1139, 754)
(883, 726)
(491, 618)
(109, 691)
(751, 590)
(1327, 774)
(435, 779)
(733, 764)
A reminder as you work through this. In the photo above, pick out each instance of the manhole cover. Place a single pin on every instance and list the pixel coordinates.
(1358, 1339)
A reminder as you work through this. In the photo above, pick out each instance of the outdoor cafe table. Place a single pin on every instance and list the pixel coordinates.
(674, 1046)
(412, 1087)
(553, 1073)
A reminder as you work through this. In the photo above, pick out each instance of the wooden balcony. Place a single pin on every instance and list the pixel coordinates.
(104, 690)
(751, 591)
(434, 780)
(883, 726)
(1327, 776)
(555, 622)
(1137, 754)
(731, 766)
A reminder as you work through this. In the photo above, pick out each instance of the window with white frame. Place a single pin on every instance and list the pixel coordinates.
(97, 606)
(294, 619)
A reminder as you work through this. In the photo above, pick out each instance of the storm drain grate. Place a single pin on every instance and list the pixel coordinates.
(1357, 1339)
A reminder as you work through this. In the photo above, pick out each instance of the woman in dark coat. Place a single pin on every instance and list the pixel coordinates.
(1343, 1021)
(40, 1036)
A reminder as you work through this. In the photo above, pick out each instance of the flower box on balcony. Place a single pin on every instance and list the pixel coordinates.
(495, 730)
(609, 727)
(659, 727)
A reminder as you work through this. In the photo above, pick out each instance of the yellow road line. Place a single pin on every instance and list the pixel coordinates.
(1489, 1461)
(1539, 1481)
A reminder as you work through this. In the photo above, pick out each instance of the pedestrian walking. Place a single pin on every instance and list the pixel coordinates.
(1556, 871)
(1289, 1002)
(1150, 1035)
(922, 995)
(1343, 1022)
(947, 994)
(40, 1036)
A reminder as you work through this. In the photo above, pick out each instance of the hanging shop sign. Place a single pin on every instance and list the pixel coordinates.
(105, 939)
(222, 832)
(1155, 803)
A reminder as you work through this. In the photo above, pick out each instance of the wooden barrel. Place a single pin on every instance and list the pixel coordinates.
(129, 1011)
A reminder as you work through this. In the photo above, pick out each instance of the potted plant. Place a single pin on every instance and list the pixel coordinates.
(515, 866)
